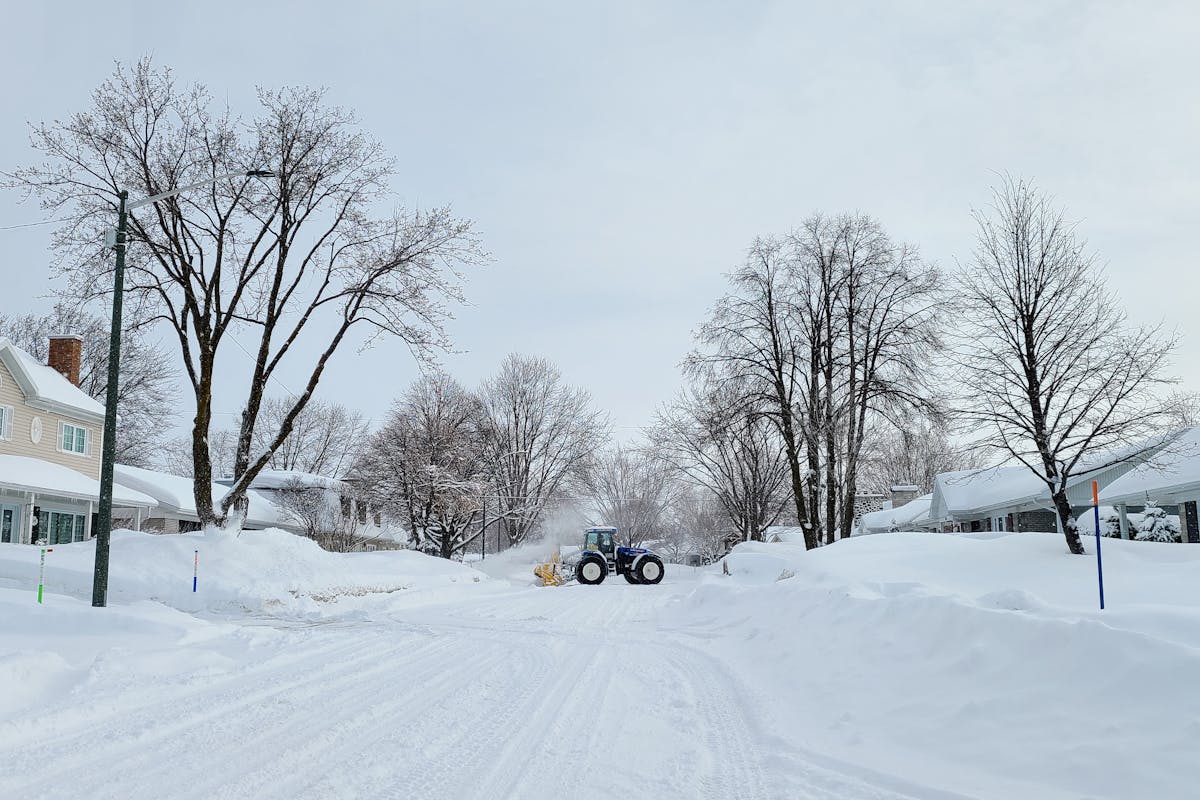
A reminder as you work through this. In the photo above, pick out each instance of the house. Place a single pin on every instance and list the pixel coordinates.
(1015, 499)
(175, 509)
(321, 506)
(1171, 481)
(910, 516)
(51, 433)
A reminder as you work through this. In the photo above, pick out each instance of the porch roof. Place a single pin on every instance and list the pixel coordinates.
(25, 474)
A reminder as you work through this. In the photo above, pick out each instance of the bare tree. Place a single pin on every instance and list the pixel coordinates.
(633, 490)
(755, 340)
(914, 452)
(146, 390)
(326, 438)
(828, 329)
(176, 455)
(424, 465)
(1058, 380)
(321, 514)
(697, 524)
(867, 306)
(538, 434)
(298, 257)
(737, 455)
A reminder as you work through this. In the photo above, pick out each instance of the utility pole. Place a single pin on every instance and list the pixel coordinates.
(109, 450)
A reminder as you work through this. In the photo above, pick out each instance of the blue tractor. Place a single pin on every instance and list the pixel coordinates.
(601, 555)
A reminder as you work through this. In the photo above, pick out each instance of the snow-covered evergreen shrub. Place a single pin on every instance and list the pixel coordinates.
(1156, 526)
(1110, 523)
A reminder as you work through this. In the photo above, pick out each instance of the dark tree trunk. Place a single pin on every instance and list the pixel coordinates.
(1070, 530)
(201, 454)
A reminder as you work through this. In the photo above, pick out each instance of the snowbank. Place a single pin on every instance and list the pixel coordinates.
(978, 665)
(256, 571)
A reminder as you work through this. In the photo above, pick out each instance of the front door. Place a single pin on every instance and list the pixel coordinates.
(10, 524)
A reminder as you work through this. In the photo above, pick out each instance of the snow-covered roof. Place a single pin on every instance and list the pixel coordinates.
(784, 533)
(43, 477)
(976, 491)
(288, 478)
(968, 494)
(900, 518)
(1172, 475)
(175, 496)
(45, 387)
(906, 488)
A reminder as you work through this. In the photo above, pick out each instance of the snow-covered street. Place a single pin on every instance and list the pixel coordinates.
(512, 694)
(924, 666)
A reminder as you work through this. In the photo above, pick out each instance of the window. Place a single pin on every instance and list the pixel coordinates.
(74, 439)
(6, 422)
(60, 527)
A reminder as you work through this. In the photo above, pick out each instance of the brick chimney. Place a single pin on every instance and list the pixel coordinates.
(66, 353)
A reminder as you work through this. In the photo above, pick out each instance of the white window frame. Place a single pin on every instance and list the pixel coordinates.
(77, 515)
(87, 439)
(6, 422)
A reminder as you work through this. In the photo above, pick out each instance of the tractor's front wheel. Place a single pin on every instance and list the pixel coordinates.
(631, 575)
(591, 571)
(649, 569)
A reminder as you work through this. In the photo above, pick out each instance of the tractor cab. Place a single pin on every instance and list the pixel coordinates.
(601, 540)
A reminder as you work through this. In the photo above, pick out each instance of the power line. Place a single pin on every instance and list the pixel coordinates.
(27, 225)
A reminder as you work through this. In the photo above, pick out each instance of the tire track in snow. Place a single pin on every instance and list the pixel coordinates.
(90, 704)
(509, 774)
(409, 735)
(105, 767)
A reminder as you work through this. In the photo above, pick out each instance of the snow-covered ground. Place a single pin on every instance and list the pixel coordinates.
(896, 666)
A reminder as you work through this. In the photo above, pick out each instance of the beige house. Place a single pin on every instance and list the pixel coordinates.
(50, 439)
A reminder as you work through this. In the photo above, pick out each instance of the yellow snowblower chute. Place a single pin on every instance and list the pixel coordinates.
(551, 571)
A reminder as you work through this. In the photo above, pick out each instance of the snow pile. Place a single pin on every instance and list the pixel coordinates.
(256, 571)
(60, 649)
(977, 665)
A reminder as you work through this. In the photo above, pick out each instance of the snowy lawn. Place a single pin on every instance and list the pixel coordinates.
(978, 664)
(916, 666)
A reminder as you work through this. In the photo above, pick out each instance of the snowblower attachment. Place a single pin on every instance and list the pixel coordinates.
(551, 572)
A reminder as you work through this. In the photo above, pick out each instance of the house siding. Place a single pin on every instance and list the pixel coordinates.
(20, 443)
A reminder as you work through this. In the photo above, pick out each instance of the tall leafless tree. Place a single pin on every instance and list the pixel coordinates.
(829, 329)
(755, 340)
(424, 465)
(539, 435)
(867, 303)
(1057, 379)
(633, 489)
(709, 435)
(146, 390)
(297, 257)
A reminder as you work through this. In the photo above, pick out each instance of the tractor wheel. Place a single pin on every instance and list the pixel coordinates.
(631, 575)
(650, 569)
(591, 571)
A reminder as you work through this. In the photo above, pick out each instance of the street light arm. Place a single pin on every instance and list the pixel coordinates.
(254, 173)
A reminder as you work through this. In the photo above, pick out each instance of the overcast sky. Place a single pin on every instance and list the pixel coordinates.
(618, 158)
